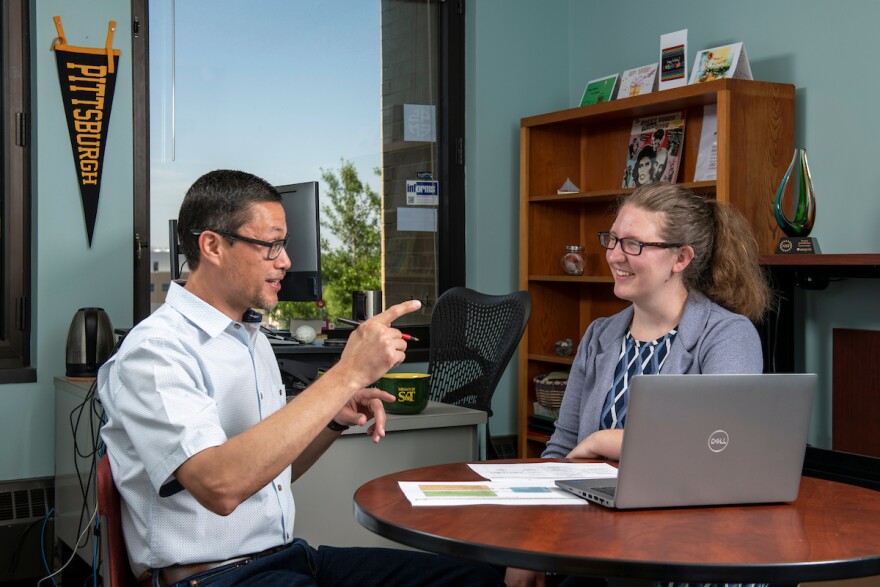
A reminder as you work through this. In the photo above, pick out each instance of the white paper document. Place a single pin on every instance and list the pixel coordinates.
(551, 471)
(508, 484)
(509, 492)
(707, 154)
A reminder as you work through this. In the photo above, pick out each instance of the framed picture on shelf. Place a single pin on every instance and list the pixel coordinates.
(654, 149)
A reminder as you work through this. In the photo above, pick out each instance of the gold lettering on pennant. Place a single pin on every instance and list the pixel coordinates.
(89, 70)
(89, 82)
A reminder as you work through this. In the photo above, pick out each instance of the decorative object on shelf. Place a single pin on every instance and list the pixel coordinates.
(673, 59)
(564, 347)
(573, 260)
(305, 334)
(799, 226)
(726, 61)
(654, 151)
(568, 187)
(550, 387)
(600, 90)
(637, 81)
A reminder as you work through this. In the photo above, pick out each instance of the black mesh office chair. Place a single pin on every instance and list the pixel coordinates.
(473, 336)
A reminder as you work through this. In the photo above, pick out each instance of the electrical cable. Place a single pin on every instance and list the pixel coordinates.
(72, 554)
(92, 453)
(43, 543)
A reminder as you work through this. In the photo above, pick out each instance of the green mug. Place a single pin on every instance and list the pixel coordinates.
(410, 391)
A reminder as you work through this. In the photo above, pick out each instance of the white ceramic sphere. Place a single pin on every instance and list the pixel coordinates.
(305, 333)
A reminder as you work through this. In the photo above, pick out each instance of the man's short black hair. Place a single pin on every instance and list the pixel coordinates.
(220, 200)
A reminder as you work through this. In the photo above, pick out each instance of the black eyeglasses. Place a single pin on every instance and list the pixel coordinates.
(275, 247)
(630, 246)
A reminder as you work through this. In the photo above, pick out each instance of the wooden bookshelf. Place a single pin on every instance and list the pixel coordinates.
(589, 145)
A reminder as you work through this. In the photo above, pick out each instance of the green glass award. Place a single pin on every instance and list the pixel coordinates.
(799, 226)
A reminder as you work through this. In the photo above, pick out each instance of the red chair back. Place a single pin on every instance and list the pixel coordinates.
(116, 569)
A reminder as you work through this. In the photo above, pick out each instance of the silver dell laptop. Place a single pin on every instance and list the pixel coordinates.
(699, 440)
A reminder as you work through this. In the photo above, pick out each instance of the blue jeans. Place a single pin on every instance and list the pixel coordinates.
(327, 566)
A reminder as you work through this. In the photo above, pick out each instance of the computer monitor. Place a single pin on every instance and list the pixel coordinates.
(302, 283)
(303, 211)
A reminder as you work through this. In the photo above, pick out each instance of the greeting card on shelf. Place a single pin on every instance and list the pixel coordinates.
(654, 152)
(707, 154)
(641, 80)
(719, 62)
(599, 90)
(673, 59)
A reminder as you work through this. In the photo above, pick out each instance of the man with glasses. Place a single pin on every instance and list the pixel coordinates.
(202, 442)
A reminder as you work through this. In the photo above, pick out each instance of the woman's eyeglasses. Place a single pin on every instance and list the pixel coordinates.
(630, 246)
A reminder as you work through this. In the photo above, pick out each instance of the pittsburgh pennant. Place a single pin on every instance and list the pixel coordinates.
(88, 81)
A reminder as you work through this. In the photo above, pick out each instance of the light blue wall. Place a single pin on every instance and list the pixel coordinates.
(517, 57)
(517, 65)
(66, 273)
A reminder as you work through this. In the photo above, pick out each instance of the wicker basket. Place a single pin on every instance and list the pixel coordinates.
(549, 388)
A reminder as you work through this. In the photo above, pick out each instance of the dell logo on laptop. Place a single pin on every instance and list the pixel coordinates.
(718, 441)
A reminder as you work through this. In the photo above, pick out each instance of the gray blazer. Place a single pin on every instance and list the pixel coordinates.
(710, 339)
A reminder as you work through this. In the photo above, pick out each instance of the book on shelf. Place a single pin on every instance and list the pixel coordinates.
(599, 90)
(538, 435)
(544, 411)
(641, 80)
(719, 62)
(654, 150)
(707, 153)
(541, 425)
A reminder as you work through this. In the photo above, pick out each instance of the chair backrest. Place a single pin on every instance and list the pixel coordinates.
(116, 569)
(473, 336)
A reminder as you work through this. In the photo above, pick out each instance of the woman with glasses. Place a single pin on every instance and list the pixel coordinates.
(689, 267)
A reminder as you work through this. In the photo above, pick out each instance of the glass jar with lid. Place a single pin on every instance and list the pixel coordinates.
(573, 260)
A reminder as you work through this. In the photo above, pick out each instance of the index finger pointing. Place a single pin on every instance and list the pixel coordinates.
(398, 310)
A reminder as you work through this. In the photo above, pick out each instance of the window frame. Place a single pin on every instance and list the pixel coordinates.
(451, 214)
(15, 343)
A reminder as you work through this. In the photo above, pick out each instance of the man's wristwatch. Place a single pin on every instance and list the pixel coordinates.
(336, 426)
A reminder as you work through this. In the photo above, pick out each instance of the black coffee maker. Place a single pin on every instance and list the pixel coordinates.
(89, 342)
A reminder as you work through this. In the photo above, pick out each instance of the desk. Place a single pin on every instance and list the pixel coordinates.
(440, 434)
(811, 272)
(299, 363)
(832, 531)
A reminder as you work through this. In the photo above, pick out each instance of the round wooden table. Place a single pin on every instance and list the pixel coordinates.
(832, 531)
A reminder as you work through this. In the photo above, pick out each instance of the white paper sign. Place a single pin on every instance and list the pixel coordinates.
(422, 192)
(419, 122)
(417, 219)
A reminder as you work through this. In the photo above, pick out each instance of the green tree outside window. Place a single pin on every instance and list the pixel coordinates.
(352, 217)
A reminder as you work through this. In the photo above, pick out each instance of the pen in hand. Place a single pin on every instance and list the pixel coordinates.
(356, 323)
